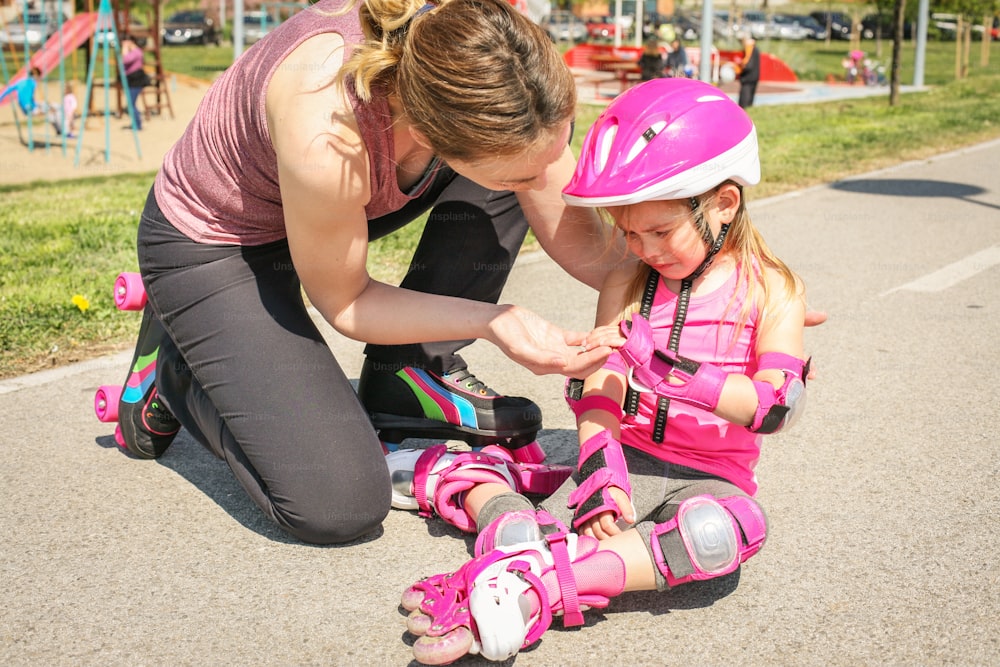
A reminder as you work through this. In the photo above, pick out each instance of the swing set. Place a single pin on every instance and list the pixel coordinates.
(69, 36)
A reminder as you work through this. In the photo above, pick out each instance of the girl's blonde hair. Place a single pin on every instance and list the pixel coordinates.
(475, 77)
(745, 244)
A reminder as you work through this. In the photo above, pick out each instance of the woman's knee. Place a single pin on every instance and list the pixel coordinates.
(334, 525)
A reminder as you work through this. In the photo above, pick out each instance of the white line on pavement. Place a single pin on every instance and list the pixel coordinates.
(952, 274)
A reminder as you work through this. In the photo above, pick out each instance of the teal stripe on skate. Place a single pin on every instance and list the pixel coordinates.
(447, 406)
(135, 394)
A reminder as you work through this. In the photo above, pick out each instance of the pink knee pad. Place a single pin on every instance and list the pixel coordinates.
(713, 536)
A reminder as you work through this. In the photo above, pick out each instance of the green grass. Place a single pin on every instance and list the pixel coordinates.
(60, 240)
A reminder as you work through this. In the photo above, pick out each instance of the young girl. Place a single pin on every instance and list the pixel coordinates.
(708, 329)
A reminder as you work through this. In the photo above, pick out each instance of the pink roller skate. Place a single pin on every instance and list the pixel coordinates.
(504, 599)
(434, 480)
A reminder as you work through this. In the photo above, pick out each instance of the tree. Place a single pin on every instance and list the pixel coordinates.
(898, 17)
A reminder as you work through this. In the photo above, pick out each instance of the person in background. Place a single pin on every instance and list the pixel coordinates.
(651, 60)
(25, 92)
(136, 77)
(677, 60)
(749, 72)
(63, 119)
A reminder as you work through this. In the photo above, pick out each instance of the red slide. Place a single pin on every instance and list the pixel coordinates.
(74, 33)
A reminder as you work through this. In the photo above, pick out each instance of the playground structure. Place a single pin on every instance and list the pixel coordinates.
(605, 65)
(69, 35)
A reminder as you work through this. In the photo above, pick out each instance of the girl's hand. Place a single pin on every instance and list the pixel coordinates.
(603, 525)
(604, 336)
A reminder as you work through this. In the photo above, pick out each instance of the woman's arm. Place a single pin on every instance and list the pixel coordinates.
(574, 237)
(324, 174)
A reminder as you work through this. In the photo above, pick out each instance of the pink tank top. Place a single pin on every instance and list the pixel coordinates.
(694, 437)
(219, 182)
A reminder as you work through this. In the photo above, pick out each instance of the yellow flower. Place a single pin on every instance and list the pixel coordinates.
(81, 302)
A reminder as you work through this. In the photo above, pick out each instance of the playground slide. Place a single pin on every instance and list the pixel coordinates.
(75, 32)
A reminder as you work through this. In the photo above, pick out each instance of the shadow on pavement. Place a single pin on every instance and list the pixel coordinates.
(903, 187)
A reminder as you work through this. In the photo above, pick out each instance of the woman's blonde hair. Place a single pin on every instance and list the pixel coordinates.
(745, 244)
(475, 77)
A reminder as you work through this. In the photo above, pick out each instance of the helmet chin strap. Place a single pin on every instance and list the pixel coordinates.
(684, 296)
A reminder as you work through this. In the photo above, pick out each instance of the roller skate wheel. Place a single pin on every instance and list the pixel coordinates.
(129, 293)
(106, 402)
(120, 437)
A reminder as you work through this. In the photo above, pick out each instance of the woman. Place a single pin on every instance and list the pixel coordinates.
(342, 126)
(135, 77)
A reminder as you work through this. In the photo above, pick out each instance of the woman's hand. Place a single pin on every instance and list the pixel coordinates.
(543, 347)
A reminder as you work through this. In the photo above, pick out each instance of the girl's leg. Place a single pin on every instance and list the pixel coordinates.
(248, 373)
(691, 536)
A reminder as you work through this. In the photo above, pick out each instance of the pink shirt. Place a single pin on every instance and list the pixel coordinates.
(219, 182)
(694, 437)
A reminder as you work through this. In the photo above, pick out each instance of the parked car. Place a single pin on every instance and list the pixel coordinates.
(838, 23)
(789, 27)
(758, 25)
(32, 29)
(813, 28)
(191, 27)
(136, 29)
(686, 27)
(564, 26)
(880, 25)
(601, 27)
(256, 25)
(724, 27)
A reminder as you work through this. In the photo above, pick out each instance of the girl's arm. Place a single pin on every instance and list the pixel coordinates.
(781, 330)
(732, 396)
(605, 390)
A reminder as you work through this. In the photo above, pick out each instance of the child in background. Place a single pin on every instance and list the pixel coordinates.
(63, 119)
(25, 91)
(708, 329)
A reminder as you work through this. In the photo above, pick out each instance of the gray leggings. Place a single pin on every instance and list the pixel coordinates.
(658, 489)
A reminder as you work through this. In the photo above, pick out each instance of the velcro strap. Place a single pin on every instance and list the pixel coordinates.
(601, 466)
(421, 470)
(567, 580)
(597, 402)
(782, 362)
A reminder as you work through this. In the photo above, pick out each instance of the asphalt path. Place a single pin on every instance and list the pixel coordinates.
(883, 500)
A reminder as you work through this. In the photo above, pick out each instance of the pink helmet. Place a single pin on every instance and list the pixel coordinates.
(664, 139)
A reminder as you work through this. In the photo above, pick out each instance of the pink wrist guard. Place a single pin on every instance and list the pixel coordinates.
(597, 402)
(778, 407)
(601, 466)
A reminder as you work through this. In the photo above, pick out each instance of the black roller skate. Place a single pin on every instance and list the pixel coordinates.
(408, 402)
(145, 426)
